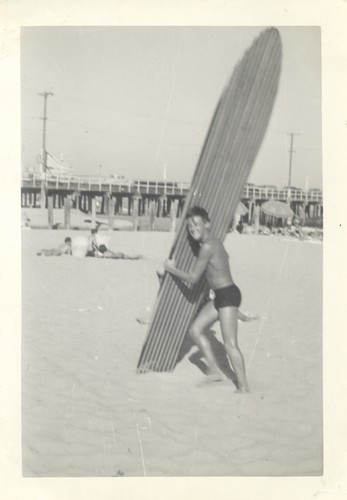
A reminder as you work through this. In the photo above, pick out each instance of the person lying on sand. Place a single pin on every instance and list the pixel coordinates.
(213, 262)
(63, 249)
(105, 253)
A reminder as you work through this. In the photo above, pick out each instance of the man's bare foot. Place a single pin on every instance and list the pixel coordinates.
(145, 317)
(215, 376)
(246, 316)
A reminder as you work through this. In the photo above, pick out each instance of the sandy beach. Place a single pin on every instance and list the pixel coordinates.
(85, 410)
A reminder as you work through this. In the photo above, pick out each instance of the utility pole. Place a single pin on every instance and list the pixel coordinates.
(44, 151)
(291, 151)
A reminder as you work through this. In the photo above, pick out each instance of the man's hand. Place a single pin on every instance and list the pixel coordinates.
(169, 265)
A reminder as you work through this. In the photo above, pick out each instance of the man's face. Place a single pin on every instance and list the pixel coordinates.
(196, 227)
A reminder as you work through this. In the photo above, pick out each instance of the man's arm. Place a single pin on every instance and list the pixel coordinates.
(198, 270)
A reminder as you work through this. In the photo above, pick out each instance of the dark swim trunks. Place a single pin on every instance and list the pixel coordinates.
(227, 296)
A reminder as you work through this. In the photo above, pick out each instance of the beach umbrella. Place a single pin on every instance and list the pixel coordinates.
(241, 209)
(277, 209)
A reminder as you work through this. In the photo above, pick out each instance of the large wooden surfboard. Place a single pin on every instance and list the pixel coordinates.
(232, 143)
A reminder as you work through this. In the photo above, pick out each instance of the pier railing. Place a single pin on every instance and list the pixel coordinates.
(178, 189)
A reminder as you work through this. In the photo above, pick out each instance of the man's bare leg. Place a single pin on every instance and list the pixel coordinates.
(228, 322)
(205, 319)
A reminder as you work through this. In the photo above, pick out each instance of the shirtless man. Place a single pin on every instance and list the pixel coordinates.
(64, 248)
(213, 262)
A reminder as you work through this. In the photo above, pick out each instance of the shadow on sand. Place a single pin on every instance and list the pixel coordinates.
(197, 357)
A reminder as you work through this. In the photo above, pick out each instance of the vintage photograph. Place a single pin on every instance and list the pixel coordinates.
(172, 251)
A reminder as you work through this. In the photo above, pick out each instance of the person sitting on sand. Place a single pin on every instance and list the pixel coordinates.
(26, 224)
(93, 246)
(63, 249)
(99, 250)
(213, 262)
(239, 227)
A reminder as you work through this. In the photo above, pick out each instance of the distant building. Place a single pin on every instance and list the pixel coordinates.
(58, 168)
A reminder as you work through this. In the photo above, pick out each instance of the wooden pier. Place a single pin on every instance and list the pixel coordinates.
(114, 196)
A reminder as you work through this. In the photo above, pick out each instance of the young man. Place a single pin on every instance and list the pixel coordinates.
(64, 248)
(213, 262)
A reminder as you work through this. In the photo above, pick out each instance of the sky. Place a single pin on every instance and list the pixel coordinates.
(138, 101)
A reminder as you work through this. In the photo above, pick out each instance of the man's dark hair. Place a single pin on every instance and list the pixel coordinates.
(67, 240)
(198, 211)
